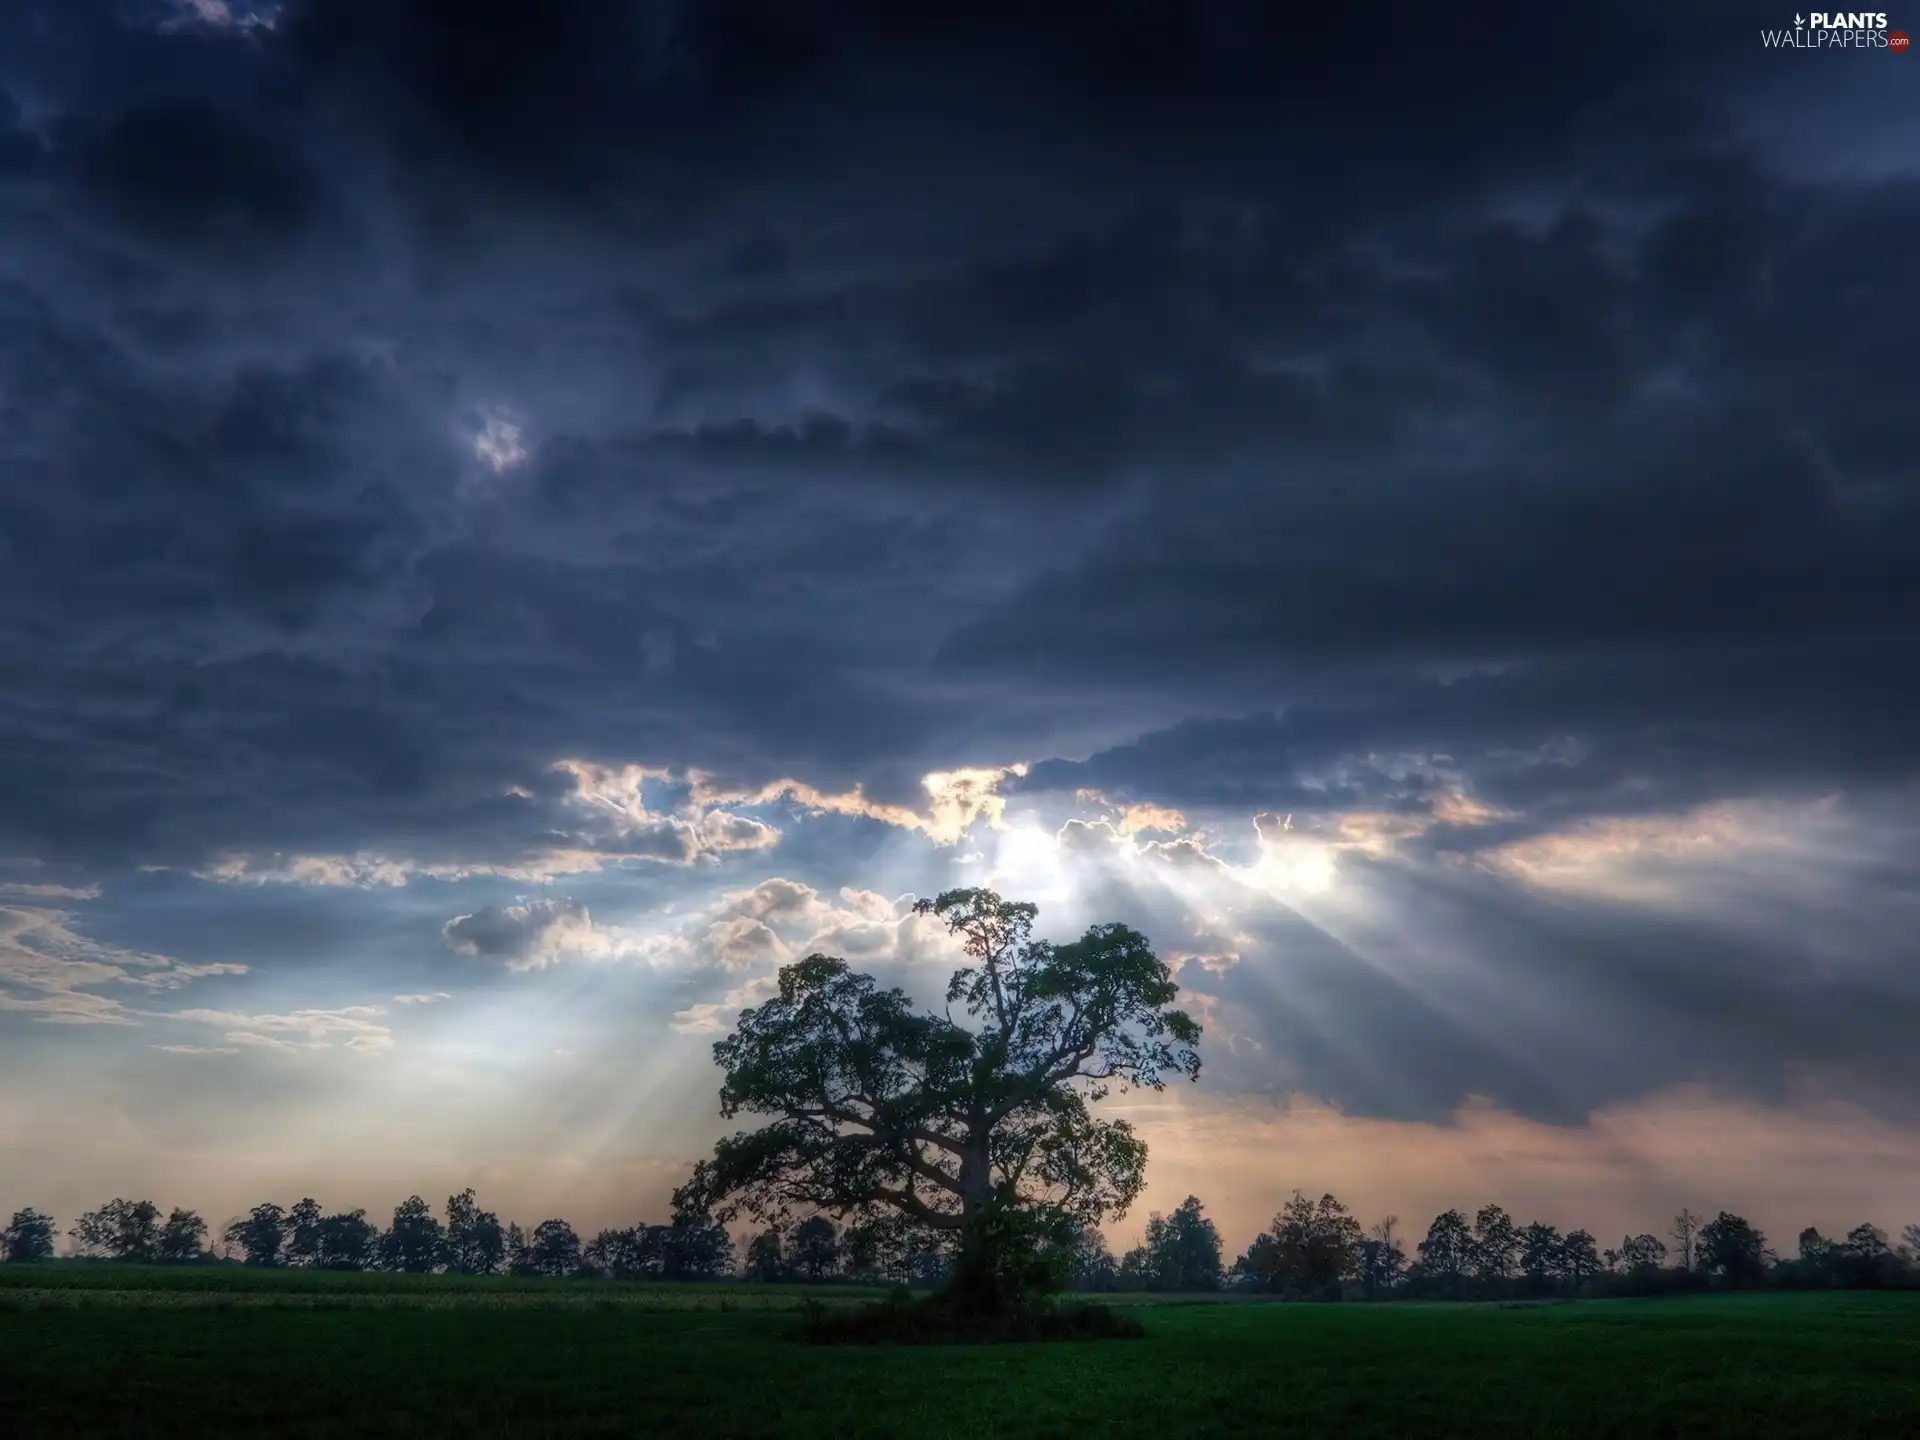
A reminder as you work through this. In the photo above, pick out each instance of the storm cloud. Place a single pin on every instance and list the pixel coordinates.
(488, 488)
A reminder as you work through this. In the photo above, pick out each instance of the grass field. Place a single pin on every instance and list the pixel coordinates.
(84, 1350)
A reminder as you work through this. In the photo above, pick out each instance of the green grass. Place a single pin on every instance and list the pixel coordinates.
(66, 1285)
(675, 1364)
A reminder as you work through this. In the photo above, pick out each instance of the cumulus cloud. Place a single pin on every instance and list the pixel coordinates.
(709, 1017)
(955, 799)
(756, 929)
(744, 943)
(546, 931)
(1134, 818)
(608, 824)
(525, 936)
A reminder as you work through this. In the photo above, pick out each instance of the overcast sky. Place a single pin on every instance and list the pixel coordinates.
(516, 519)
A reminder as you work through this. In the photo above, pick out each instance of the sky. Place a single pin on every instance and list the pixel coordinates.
(516, 520)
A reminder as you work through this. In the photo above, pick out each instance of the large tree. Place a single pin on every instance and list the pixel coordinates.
(1383, 1260)
(1447, 1251)
(555, 1249)
(475, 1242)
(1496, 1245)
(1732, 1251)
(1183, 1249)
(261, 1236)
(347, 1241)
(303, 1232)
(1685, 1233)
(1310, 1248)
(416, 1243)
(766, 1257)
(814, 1248)
(28, 1236)
(976, 1127)
(1579, 1261)
(120, 1230)
(184, 1239)
(1642, 1254)
(1542, 1255)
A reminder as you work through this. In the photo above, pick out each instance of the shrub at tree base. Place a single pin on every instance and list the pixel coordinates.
(901, 1319)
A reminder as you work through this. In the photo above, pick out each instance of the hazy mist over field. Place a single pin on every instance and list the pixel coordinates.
(516, 521)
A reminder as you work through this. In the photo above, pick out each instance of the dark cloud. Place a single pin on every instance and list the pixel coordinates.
(185, 170)
(1404, 989)
(1555, 1010)
(1251, 410)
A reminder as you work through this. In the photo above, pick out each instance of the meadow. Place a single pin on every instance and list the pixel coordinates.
(83, 1351)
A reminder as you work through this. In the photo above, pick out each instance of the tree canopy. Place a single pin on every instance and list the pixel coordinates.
(28, 1236)
(120, 1229)
(1311, 1248)
(977, 1127)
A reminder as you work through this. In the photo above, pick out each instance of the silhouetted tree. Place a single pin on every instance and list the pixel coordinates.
(119, 1230)
(614, 1253)
(1382, 1258)
(1447, 1251)
(303, 1232)
(1183, 1249)
(1732, 1251)
(654, 1246)
(1542, 1252)
(1310, 1250)
(556, 1249)
(416, 1243)
(866, 1254)
(520, 1259)
(688, 1249)
(262, 1236)
(475, 1243)
(1866, 1261)
(1816, 1254)
(183, 1240)
(1685, 1233)
(28, 1237)
(1579, 1260)
(1910, 1240)
(979, 1130)
(813, 1249)
(1642, 1253)
(767, 1257)
(1496, 1246)
(347, 1241)
(883, 1249)
(694, 1247)
(1094, 1267)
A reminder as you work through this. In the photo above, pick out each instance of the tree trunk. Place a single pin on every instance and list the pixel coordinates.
(973, 1289)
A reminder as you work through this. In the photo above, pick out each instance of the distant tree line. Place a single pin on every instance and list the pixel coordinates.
(1317, 1250)
(1312, 1250)
(471, 1241)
